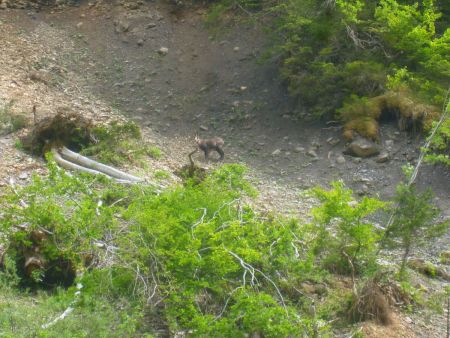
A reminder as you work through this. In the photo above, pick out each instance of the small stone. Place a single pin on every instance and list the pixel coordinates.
(122, 26)
(362, 147)
(276, 152)
(340, 159)
(333, 141)
(140, 42)
(312, 153)
(383, 157)
(243, 88)
(315, 144)
(151, 25)
(163, 51)
(236, 49)
(79, 24)
(408, 320)
(204, 128)
(23, 176)
(389, 143)
(299, 149)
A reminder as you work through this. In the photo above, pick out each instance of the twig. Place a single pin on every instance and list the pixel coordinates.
(226, 302)
(200, 221)
(251, 269)
(67, 311)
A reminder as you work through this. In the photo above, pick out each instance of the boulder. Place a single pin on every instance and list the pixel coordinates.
(361, 147)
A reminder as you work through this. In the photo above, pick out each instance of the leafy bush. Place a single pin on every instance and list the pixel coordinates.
(333, 52)
(440, 143)
(217, 266)
(414, 221)
(120, 143)
(347, 240)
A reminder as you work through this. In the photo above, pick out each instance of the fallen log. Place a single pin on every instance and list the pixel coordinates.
(70, 160)
(98, 167)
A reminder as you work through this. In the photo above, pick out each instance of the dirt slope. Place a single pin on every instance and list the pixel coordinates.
(161, 67)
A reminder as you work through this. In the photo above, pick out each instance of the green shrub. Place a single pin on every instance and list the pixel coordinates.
(346, 240)
(120, 143)
(414, 221)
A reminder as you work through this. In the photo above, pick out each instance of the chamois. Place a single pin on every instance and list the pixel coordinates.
(206, 145)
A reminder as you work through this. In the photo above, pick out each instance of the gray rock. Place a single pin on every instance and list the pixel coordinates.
(383, 157)
(140, 42)
(276, 152)
(151, 25)
(122, 26)
(23, 176)
(315, 144)
(204, 128)
(340, 159)
(333, 141)
(389, 144)
(362, 147)
(311, 153)
(299, 149)
(163, 51)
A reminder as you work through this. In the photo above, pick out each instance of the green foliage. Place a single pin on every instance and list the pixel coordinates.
(414, 221)
(331, 54)
(214, 262)
(351, 244)
(204, 236)
(120, 143)
(63, 206)
(22, 314)
(217, 267)
(440, 144)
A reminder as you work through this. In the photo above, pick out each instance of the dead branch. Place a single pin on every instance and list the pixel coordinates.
(249, 268)
(99, 167)
(67, 311)
(72, 166)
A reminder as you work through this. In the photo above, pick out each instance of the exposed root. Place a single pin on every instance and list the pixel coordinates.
(363, 116)
(96, 166)
(64, 129)
(371, 304)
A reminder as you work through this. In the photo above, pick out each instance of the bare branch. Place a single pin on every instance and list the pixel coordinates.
(248, 268)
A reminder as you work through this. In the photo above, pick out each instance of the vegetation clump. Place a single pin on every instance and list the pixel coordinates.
(194, 258)
(64, 129)
(366, 61)
(119, 143)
